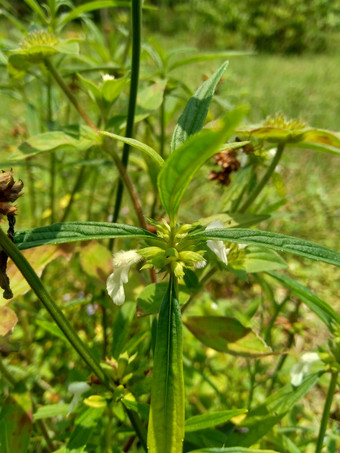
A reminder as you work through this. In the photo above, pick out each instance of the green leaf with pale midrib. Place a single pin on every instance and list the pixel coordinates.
(60, 233)
(195, 112)
(324, 311)
(275, 241)
(166, 422)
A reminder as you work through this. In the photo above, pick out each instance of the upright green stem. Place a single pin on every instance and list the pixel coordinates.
(326, 411)
(53, 158)
(162, 127)
(60, 81)
(136, 26)
(258, 189)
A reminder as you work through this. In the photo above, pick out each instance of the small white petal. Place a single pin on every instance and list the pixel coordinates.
(296, 375)
(107, 77)
(214, 225)
(219, 249)
(115, 288)
(77, 388)
(241, 246)
(310, 357)
(200, 264)
(126, 258)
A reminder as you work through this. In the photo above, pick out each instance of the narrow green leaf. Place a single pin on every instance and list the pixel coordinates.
(195, 112)
(138, 145)
(207, 57)
(275, 241)
(231, 450)
(51, 410)
(234, 219)
(318, 147)
(87, 7)
(227, 335)
(37, 9)
(259, 259)
(59, 233)
(181, 165)
(262, 418)
(211, 419)
(166, 422)
(78, 138)
(320, 308)
(84, 426)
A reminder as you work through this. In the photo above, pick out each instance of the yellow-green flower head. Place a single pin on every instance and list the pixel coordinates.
(39, 44)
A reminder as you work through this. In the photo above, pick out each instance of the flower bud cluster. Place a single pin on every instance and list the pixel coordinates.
(174, 250)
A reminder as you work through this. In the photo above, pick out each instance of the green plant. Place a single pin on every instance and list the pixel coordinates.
(186, 255)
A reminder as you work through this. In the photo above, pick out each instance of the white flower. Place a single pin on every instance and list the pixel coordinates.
(122, 261)
(107, 77)
(302, 368)
(77, 388)
(200, 264)
(218, 247)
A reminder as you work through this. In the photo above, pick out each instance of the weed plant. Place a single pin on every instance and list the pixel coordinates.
(200, 333)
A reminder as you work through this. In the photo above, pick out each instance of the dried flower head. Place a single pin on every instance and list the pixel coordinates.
(229, 163)
(9, 192)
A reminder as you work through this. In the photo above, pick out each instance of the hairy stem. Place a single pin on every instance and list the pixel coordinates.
(258, 189)
(326, 411)
(136, 25)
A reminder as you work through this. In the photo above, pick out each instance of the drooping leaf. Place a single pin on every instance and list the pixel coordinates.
(166, 422)
(59, 233)
(211, 419)
(16, 421)
(195, 112)
(150, 152)
(80, 138)
(259, 259)
(262, 418)
(275, 241)
(181, 165)
(227, 335)
(8, 320)
(325, 312)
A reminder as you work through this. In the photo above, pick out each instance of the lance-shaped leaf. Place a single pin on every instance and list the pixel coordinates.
(211, 419)
(324, 311)
(150, 152)
(195, 112)
(60, 233)
(232, 450)
(262, 418)
(181, 165)
(227, 335)
(275, 241)
(166, 422)
(150, 298)
(73, 138)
